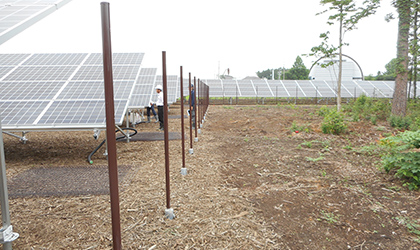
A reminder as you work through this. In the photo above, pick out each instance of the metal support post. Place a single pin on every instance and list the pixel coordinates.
(7, 236)
(110, 124)
(169, 212)
(183, 168)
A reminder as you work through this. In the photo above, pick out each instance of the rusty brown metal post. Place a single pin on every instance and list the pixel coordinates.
(110, 126)
(189, 108)
(195, 108)
(183, 169)
(198, 88)
(168, 211)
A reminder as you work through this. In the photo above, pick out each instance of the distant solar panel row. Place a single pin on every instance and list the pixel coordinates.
(297, 88)
(62, 91)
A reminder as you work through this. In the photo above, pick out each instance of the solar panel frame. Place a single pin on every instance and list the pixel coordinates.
(17, 15)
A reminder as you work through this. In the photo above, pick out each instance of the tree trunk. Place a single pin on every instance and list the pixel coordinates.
(399, 102)
(415, 50)
(340, 65)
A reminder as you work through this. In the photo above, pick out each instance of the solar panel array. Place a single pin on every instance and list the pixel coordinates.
(144, 88)
(172, 84)
(298, 88)
(62, 91)
(144, 91)
(17, 15)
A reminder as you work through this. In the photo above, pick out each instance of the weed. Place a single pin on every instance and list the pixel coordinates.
(228, 107)
(411, 226)
(370, 109)
(307, 144)
(400, 156)
(400, 122)
(348, 147)
(329, 217)
(314, 159)
(323, 111)
(380, 128)
(304, 128)
(333, 123)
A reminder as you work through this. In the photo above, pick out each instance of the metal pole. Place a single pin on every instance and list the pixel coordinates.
(198, 113)
(183, 169)
(168, 211)
(236, 89)
(195, 109)
(7, 236)
(189, 107)
(256, 95)
(110, 126)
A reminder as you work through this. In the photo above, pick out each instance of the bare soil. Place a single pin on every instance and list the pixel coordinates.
(252, 183)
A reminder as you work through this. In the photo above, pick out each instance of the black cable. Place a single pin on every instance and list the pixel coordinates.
(103, 142)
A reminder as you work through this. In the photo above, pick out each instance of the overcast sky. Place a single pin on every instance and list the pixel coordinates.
(207, 37)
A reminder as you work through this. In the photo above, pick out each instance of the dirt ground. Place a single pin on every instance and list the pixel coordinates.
(252, 183)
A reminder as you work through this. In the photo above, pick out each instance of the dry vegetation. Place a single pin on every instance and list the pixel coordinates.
(252, 183)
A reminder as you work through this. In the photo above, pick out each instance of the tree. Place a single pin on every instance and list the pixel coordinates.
(415, 48)
(268, 74)
(389, 75)
(347, 15)
(265, 74)
(298, 71)
(399, 102)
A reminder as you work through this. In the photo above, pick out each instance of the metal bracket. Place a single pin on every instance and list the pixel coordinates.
(127, 135)
(96, 133)
(7, 235)
(22, 138)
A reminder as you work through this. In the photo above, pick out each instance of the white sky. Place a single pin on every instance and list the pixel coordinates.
(207, 37)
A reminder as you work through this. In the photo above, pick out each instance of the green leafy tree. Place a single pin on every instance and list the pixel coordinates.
(265, 74)
(268, 73)
(347, 15)
(298, 71)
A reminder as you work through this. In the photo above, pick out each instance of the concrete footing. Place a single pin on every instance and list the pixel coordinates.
(184, 171)
(169, 213)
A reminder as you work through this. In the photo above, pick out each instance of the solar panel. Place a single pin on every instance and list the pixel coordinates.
(262, 88)
(247, 88)
(143, 89)
(172, 87)
(63, 91)
(17, 15)
(215, 87)
(297, 88)
(278, 88)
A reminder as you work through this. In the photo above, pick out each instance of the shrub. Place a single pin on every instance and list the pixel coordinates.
(400, 122)
(402, 157)
(323, 111)
(333, 123)
(369, 109)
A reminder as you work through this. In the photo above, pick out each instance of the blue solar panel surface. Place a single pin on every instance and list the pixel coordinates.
(63, 91)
